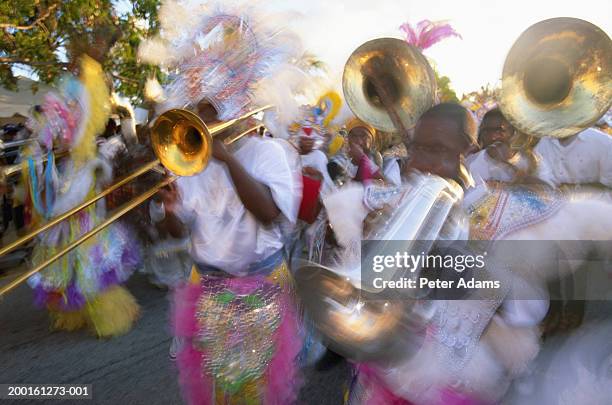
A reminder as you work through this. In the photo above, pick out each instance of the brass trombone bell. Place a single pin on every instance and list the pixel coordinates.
(557, 78)
(183, 142)
(403, 72)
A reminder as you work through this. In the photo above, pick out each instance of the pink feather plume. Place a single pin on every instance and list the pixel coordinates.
(427, 33)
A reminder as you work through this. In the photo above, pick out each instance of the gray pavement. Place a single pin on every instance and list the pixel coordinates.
(131, 369)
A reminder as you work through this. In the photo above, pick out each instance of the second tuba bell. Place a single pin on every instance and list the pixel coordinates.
(557, 78)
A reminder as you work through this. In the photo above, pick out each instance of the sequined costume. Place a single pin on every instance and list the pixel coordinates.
(242, 335)
(82, 288)
(507, 208)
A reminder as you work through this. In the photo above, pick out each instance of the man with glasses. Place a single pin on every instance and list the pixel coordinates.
(500, 158)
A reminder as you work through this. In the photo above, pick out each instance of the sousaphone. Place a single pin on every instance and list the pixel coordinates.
(557, 78)
(388, 84)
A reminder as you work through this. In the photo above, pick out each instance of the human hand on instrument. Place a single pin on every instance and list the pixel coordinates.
(219, 151)
(169, 196)
(500, 151)
(355, 151)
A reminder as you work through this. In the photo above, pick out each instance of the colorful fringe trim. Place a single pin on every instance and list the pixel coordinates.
(111, 313)
(278, 385)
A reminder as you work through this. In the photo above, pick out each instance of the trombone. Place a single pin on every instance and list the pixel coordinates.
(183, 145)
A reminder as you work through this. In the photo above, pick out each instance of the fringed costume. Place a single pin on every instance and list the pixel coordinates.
(82, 288)
(237, 318)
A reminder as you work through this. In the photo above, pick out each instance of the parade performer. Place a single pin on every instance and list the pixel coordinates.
(83, 288)
(360, 140)
(580, 159)
(506, 154)
(463, 358)
(236, 318)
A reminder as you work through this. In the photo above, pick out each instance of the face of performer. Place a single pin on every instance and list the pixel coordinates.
(494, 129)
(359, 142)
(438, 146)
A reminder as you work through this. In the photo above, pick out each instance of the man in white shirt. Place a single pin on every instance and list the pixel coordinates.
(497, 160)
(582, 158)
(237, 211)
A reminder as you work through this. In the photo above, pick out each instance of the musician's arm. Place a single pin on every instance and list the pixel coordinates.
(256, 197)
(173, 225)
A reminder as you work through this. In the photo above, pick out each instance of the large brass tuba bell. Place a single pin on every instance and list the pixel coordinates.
(557, 78)
(398, 68)
(183, 142)
(388, 84)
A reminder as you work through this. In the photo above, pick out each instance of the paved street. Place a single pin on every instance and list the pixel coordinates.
(132, 369)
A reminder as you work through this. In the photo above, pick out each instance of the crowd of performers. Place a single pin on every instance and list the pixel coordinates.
(223, 240)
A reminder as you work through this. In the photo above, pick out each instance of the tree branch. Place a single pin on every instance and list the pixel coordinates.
(125, 79)
(31, 63)
(29, 27)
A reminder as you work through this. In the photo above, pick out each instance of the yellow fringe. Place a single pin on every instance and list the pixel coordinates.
(98, 100)
(113, 312)
(68, 321)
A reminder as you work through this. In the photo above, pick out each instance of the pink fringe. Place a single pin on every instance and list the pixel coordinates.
(378, 394)
(282, 376)
(184, 319)
(196, 386)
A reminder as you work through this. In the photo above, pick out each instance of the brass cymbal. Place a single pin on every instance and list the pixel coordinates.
(557, 78)
(403, 72)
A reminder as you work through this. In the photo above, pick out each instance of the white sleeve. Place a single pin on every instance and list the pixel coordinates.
(605, 166)
(280, 170)
(186, 209)
(391, 171)
(477, 167)
(544, 170)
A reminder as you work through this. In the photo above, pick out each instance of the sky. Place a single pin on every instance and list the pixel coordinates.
(333, 29)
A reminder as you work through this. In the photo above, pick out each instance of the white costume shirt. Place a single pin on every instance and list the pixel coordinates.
(587, 158)
(391, 171)
(224, 234)
(483, 167)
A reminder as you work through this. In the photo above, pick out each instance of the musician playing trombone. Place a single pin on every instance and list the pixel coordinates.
(235, 322)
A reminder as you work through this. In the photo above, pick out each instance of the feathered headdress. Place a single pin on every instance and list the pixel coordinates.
(427, 33)
(219, 54)
(71, 118)
(77, 113)
(319, 116)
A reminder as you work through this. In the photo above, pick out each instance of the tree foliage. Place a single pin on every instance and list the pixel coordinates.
(446, 94)
(47, 35)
